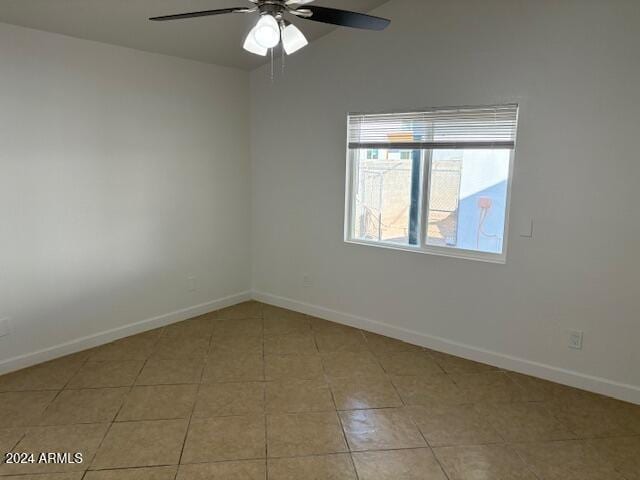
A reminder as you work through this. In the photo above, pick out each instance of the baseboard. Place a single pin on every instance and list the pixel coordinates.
(83, 343)
(629, 393)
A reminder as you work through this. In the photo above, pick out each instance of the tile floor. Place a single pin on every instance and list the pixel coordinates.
(254, 392)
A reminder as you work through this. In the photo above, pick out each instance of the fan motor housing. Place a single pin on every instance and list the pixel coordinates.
(272, 7)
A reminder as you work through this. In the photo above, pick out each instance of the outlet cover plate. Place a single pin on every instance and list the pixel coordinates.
(575, 339)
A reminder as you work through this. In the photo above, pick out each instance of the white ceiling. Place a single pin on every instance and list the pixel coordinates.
(124, 22)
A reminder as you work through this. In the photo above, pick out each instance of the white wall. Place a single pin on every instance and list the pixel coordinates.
(573, 67)
(122, 174)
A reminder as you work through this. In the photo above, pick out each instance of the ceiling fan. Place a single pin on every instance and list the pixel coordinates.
(272, 26)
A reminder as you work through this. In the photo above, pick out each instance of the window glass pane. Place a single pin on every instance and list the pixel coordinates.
(382, 201)
(467, 199)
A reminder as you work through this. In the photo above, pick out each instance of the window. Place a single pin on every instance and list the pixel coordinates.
(435, 181)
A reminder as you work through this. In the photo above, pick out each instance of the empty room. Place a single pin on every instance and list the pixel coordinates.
(319, 240)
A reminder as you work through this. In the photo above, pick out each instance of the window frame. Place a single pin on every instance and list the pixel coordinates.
(425, 192)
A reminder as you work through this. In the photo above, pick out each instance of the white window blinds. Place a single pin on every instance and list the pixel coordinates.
(444, 128)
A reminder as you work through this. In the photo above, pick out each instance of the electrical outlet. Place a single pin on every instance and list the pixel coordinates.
(575, 339)
(306, 280)
(4, 327)
(192, 284)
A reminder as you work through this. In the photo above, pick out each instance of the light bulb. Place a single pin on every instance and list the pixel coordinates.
(266, 33)
(251, 46)
(293, 39)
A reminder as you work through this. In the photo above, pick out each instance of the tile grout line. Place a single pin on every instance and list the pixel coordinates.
(264, 399)
(404, 407)
(195, 402)
(64, 386)
(526, 464)
(337, 413)
(113, 420)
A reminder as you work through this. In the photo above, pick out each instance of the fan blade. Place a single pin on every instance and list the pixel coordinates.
(345, 18)
(204, 13)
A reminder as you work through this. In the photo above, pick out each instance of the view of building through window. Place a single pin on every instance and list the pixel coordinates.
(383, 196)
(467, 194)
(467, 199)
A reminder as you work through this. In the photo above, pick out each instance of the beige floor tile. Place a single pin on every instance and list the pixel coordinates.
(225, 438)
(384, 429)
(321, 326)
(130, 348)
(278, 321)
(154, 334)
(341, 342)
(158, 402)
(237, 327)
(304, 434)
(244, 470)
(428, 390)
(621, 452)
(82, 439)
(524, 421)
(451, 425)
(46, 476)
(325, 467)
(9, 437)
(249, 309)
(273, 312)
(302, 367)
(381, 345)
(199, 327)
(364, 393)
(23, 408)
(296, 396)
(171, 372)
(286, 326)
(141, 444)
(147, 473)
(181, 347)
(120, 373)
(98, 405)
(590, 416)
(416, 464)
(458, 365)
(348, 364)
(237, 343)
(52, 375)
(290, 345)
(491, 387)
(237, 367)
(409, 363)
(538, 390)
(467, 413)
(495, 462)
(567, 460)
(225, 399)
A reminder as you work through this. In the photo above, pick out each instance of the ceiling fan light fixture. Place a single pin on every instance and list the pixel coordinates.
(251, 46)
(293, 39)
(266, 33)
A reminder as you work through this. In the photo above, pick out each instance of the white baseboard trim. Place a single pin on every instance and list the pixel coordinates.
(90, 341)
(626, 392)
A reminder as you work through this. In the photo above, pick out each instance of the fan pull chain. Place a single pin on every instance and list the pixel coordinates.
(283, 59)
(272, 71)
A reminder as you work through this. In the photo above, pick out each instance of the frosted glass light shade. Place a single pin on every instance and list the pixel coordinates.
(266, 33)
(293, 39)
(251, 46)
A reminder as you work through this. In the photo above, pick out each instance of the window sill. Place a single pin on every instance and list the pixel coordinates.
(439, 251)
